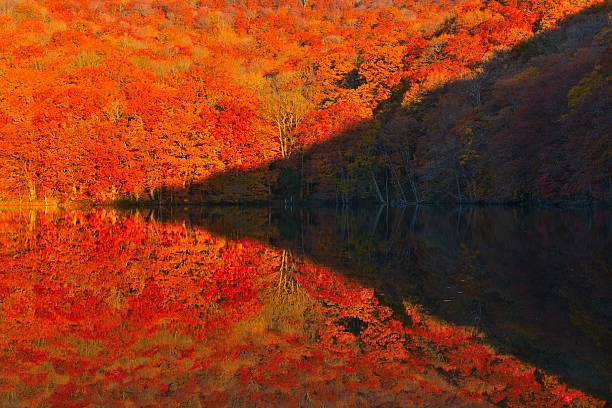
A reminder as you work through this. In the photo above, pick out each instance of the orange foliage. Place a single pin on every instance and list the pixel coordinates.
(123, 99)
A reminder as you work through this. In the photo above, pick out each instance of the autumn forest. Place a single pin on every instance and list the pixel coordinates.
(399, 101)
(306, 203)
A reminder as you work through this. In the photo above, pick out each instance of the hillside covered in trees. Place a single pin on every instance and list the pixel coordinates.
(394, 101)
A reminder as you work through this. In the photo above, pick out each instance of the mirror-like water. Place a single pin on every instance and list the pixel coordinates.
(258, 307)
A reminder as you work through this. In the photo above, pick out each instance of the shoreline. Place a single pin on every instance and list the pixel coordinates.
(306, 204)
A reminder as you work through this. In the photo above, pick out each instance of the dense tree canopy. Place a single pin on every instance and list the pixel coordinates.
(465, 100)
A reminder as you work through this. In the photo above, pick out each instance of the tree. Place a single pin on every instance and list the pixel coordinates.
(285, 104)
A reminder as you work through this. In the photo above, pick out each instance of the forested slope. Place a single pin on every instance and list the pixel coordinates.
(534, 124)
(253, 100)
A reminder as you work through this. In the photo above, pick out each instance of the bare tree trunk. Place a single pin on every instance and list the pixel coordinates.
(377, 219)
(302, 174)
(399, 184)
(282, 142)
(31, 190)
(413, 186)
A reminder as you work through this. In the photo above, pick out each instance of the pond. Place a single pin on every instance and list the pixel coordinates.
(236, 307)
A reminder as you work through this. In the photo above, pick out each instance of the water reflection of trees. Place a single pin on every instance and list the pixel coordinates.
(121, 308)
(536, 282)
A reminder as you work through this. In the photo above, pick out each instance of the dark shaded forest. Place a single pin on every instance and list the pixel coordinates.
(533, 126)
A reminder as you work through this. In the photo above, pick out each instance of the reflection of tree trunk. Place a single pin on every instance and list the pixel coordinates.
(286, 283)
(387, 186)
(415, 192)
(414, 218)
(381, 199)
(32, 219)
(377, 219)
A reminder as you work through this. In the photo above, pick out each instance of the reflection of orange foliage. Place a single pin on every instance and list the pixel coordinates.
(102, 308)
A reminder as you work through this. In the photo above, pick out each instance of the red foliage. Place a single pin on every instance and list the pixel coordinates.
(124, 99)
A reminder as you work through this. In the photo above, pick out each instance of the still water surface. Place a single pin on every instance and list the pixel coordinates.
(257, 307)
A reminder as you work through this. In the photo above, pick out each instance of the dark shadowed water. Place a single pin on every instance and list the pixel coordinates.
(259, 307)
